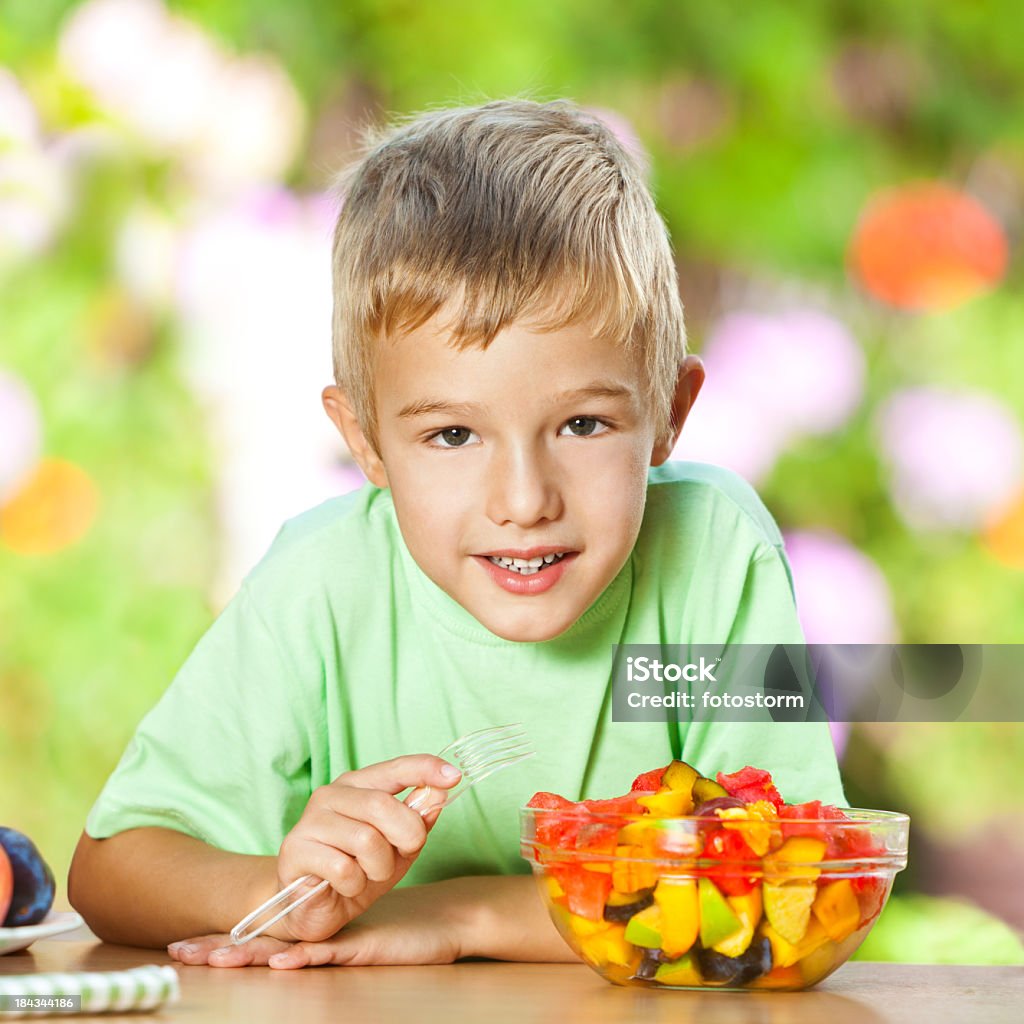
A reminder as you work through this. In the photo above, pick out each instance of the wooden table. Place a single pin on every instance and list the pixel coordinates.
(496, 993)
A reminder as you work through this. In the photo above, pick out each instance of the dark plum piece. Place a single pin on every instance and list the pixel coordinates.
(720, 969)
(33, 880)
(622, 906)
(757, 960)
(651, 960)
(720, 803)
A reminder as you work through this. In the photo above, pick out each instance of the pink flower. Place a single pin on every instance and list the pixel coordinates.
(770, 379)
(954, 457)
(20, 433)
(841, 595)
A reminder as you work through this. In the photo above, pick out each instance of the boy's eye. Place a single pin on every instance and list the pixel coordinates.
(584, 426)
(451, 437)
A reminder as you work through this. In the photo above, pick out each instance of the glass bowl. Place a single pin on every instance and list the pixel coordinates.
(666, 903)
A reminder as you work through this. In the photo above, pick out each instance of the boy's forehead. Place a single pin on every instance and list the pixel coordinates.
(575, 357)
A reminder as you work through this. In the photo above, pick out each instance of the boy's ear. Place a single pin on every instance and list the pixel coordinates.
(339, 409)
(688, 385)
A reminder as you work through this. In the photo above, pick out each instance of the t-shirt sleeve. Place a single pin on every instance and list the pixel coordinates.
(224, 755)
(799, 755)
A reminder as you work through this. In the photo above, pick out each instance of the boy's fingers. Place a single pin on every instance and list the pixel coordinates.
(323, 860)
(196, 950)
(256, 951)
(404, 772)
(190, 950)
(309, 954)
(365, 822)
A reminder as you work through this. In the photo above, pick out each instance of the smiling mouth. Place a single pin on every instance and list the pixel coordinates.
(526, 566)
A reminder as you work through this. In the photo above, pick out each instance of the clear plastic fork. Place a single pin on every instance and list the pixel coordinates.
(477, 755)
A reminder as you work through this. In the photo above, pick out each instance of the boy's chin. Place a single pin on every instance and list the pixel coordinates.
(528, 630)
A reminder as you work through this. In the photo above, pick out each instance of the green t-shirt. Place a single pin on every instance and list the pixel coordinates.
(339, 652)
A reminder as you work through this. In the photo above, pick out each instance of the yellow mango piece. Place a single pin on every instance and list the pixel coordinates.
(608, 946)
(819, 962)
(555, 891)
(780, 978)
(793, 858)
(786, 953)
(748, 909)
(629, 872)
(667, 803)
(837, 909)
(788, 908)
(583, 927)
(680, 914)
(637, 833)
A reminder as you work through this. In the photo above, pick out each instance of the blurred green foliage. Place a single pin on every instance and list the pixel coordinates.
(768, 124)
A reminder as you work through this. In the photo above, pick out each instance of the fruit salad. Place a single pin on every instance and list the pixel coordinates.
(693, 882)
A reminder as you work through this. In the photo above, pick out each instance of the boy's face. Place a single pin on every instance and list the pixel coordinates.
(536, 447)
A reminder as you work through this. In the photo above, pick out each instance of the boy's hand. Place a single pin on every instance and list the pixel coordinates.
(409, 927)
(358, 837)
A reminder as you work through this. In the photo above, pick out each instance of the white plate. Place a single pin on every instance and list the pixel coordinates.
(55, 922)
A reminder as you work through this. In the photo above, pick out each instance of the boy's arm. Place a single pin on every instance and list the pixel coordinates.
(150, 886)
(498, 917)
(504, 918)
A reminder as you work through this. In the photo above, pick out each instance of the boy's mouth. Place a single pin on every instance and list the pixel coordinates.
(525, 566)
(527, 572)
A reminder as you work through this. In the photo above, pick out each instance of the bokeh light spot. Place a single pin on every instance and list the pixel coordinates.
(20, 433)
(53, 510)
(1004, 536)
(927, 246)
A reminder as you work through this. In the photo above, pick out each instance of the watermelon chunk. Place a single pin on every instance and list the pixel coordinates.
(750, 785)
(615, 805)
(648, 782)
(556, 831)
(586, 891)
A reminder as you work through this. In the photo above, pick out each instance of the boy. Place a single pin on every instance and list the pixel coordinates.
(510, 360)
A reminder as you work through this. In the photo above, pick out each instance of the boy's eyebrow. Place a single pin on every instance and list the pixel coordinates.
(597, 389)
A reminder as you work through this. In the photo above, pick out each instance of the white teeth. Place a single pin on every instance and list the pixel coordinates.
(524, 566)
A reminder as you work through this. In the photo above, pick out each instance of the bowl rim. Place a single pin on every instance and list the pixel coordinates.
(861, 816)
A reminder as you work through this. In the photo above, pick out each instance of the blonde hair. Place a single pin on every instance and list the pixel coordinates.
(516, 211)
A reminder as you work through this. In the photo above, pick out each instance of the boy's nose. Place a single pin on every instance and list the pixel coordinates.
(523, 488)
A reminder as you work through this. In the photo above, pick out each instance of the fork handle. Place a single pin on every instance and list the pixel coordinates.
(247, 928)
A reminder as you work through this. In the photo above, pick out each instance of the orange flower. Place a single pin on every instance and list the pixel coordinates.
(927, 246)
(1004, 536)
(53, 510)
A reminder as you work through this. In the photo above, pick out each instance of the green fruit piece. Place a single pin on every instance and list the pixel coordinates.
(644, 928)
(680, 776)
(680, 972)
(707, 789)
(788, 908)
(748, 909)
(717, 919)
